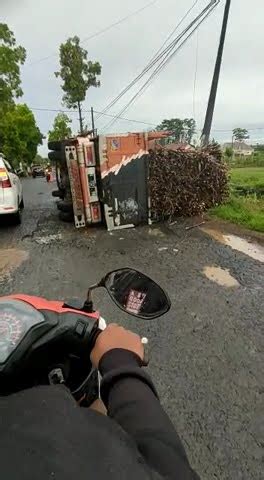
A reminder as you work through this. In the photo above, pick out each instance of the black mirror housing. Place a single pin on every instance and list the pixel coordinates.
(136, 294)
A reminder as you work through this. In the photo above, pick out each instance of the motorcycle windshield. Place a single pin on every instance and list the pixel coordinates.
(16, 319)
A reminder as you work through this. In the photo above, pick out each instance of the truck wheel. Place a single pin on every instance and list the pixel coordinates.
(65, 206)
(58, 193)
(55, 156)
(55, 145)
(66, 217)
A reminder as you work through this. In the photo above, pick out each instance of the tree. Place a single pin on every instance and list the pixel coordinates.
(240, 134)
(19, 135)
(78, 74)
(189, 127)
(229, 153)
(39, 160)
(182, 130)
(61, 128)
(259, 147)
(11, 57)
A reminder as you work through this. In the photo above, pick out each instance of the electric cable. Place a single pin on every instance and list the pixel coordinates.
(99, 32)
(158, 55)
(168, 57)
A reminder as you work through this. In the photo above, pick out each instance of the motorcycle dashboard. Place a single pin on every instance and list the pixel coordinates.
(16, 319)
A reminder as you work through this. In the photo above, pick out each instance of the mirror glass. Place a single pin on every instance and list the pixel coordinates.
(137, 294)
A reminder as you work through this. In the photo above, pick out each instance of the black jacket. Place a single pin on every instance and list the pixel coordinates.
(45, 435)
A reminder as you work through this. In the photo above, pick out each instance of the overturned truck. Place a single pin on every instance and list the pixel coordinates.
(125, 180)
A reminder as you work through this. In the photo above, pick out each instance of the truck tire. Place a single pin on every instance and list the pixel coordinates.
(66, 217)
(65, 206)
(58, 193)
(55, 145)
(56, 156)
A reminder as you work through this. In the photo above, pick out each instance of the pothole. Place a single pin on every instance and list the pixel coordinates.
(156, 232)
(251, 249)
(10, 259)
(220, 276)
(48, 239)
(240, 244)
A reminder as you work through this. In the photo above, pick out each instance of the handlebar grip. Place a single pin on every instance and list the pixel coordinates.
(93, 336)
(97, 331)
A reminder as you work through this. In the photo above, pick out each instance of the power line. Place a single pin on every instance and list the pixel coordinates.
(158, 55)
(89, 111)
(168, 57)
(99, 32)
(250, 129)
(231, 129)
(127, 17)
(195, 74)
(60, 110)
(127, 119)
(176, 28)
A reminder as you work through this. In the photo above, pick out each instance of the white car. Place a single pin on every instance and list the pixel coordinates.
(11, 193)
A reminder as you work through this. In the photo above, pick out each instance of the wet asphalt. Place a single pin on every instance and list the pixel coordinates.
(207, 353)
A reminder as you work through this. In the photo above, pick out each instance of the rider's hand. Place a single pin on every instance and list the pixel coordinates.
(116, 337)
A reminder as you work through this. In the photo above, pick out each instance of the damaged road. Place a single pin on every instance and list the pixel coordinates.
(206, 353)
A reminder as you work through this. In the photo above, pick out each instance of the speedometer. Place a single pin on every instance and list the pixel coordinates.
(16, 319)
(10, 327)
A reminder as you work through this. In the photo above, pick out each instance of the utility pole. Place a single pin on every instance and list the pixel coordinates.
(211, 103)
(92, 115)
(80, 117)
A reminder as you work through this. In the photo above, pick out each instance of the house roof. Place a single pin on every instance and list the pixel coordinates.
(238, 146)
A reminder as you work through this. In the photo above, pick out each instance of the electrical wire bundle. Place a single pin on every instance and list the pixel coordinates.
(161, 59)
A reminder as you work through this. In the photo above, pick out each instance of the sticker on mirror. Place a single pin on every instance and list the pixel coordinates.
(135, 301)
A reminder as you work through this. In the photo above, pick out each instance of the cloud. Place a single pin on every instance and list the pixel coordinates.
(124, 51)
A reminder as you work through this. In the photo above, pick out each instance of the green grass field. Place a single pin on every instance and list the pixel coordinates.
(244, 210)
(248, 177)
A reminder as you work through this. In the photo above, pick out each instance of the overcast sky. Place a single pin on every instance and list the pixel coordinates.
(125, 49)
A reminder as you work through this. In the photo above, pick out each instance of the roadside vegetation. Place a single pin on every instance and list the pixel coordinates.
(247, 211)
(248, 176)
(19, 133)
(245, 205)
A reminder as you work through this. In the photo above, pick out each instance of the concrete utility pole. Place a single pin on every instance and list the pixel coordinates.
(80, 117)
(211, 103)
(92, 116)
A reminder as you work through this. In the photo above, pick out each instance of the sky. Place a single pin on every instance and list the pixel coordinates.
(182, 88)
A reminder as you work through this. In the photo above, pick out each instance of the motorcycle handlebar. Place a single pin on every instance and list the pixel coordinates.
(97, 331)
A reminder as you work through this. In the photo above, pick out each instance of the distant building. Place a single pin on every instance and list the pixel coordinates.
(240, 148)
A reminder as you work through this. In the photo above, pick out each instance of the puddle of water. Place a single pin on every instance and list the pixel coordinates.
(10, 259)
(220, 276)
(253, 250)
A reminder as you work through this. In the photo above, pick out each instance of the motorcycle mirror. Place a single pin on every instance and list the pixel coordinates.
(136, 294)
